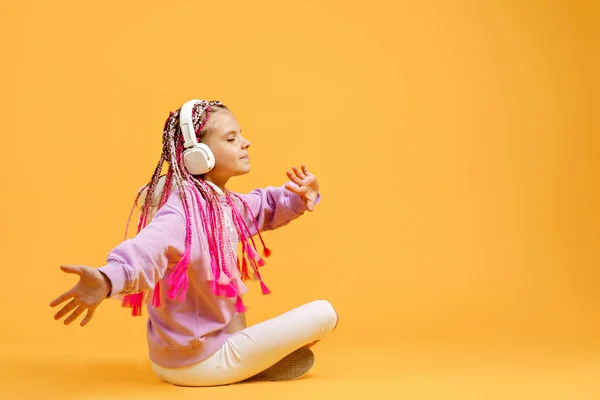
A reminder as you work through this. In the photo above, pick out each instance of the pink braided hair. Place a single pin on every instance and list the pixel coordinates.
(218, 243)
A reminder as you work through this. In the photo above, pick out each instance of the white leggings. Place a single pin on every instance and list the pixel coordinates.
(252, 350)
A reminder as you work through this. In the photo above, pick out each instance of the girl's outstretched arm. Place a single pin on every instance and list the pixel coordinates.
(274, 207)
(134, 265)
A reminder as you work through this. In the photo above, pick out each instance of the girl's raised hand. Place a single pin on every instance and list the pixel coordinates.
(87, 294)
(307, 186)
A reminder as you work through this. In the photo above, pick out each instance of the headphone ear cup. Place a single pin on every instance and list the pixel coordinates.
(199, 159)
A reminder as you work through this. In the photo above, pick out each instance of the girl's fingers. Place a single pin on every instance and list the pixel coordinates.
(310, 205)
(65, 310)
(294, 178)
(299, 173)
(292, 188)
(88, 317)
(63, 297)
(66, 295)
(71, 269)
(305, 170)
(78, 311)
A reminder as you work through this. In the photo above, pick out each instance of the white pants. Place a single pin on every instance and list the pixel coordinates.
(252, 350)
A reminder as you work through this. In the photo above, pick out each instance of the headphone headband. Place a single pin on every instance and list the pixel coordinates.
(186, 122)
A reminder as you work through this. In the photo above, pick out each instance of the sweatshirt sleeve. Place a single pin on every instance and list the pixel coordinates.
(138, 263)
(273, 207)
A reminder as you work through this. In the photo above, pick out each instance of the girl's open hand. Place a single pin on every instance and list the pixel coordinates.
(307, 186)
(87, 294)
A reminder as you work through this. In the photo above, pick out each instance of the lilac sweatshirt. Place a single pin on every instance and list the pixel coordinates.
(185, 333)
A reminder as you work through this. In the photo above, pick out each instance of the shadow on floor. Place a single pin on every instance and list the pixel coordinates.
(54, 378)
(80, 378)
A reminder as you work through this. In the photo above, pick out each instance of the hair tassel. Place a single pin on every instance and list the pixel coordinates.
(223, 279)
(265, 289)
(156, 295)
(239, 305)
(251, 251)
(134, 301)
(231, 290)
(266, 252)
(244, 269)
(178, 279)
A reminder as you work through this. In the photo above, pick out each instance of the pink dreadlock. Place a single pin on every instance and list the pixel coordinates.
(217, 242)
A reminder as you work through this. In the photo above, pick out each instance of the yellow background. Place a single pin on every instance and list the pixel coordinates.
(456, 144)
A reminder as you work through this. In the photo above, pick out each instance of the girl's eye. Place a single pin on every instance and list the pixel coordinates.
(230, 140)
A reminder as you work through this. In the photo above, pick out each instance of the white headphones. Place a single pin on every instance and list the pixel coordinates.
(197, 157)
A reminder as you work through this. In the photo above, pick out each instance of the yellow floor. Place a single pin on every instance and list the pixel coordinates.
(341, 371)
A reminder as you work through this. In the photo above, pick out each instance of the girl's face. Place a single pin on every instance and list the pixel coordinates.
(228, 145)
